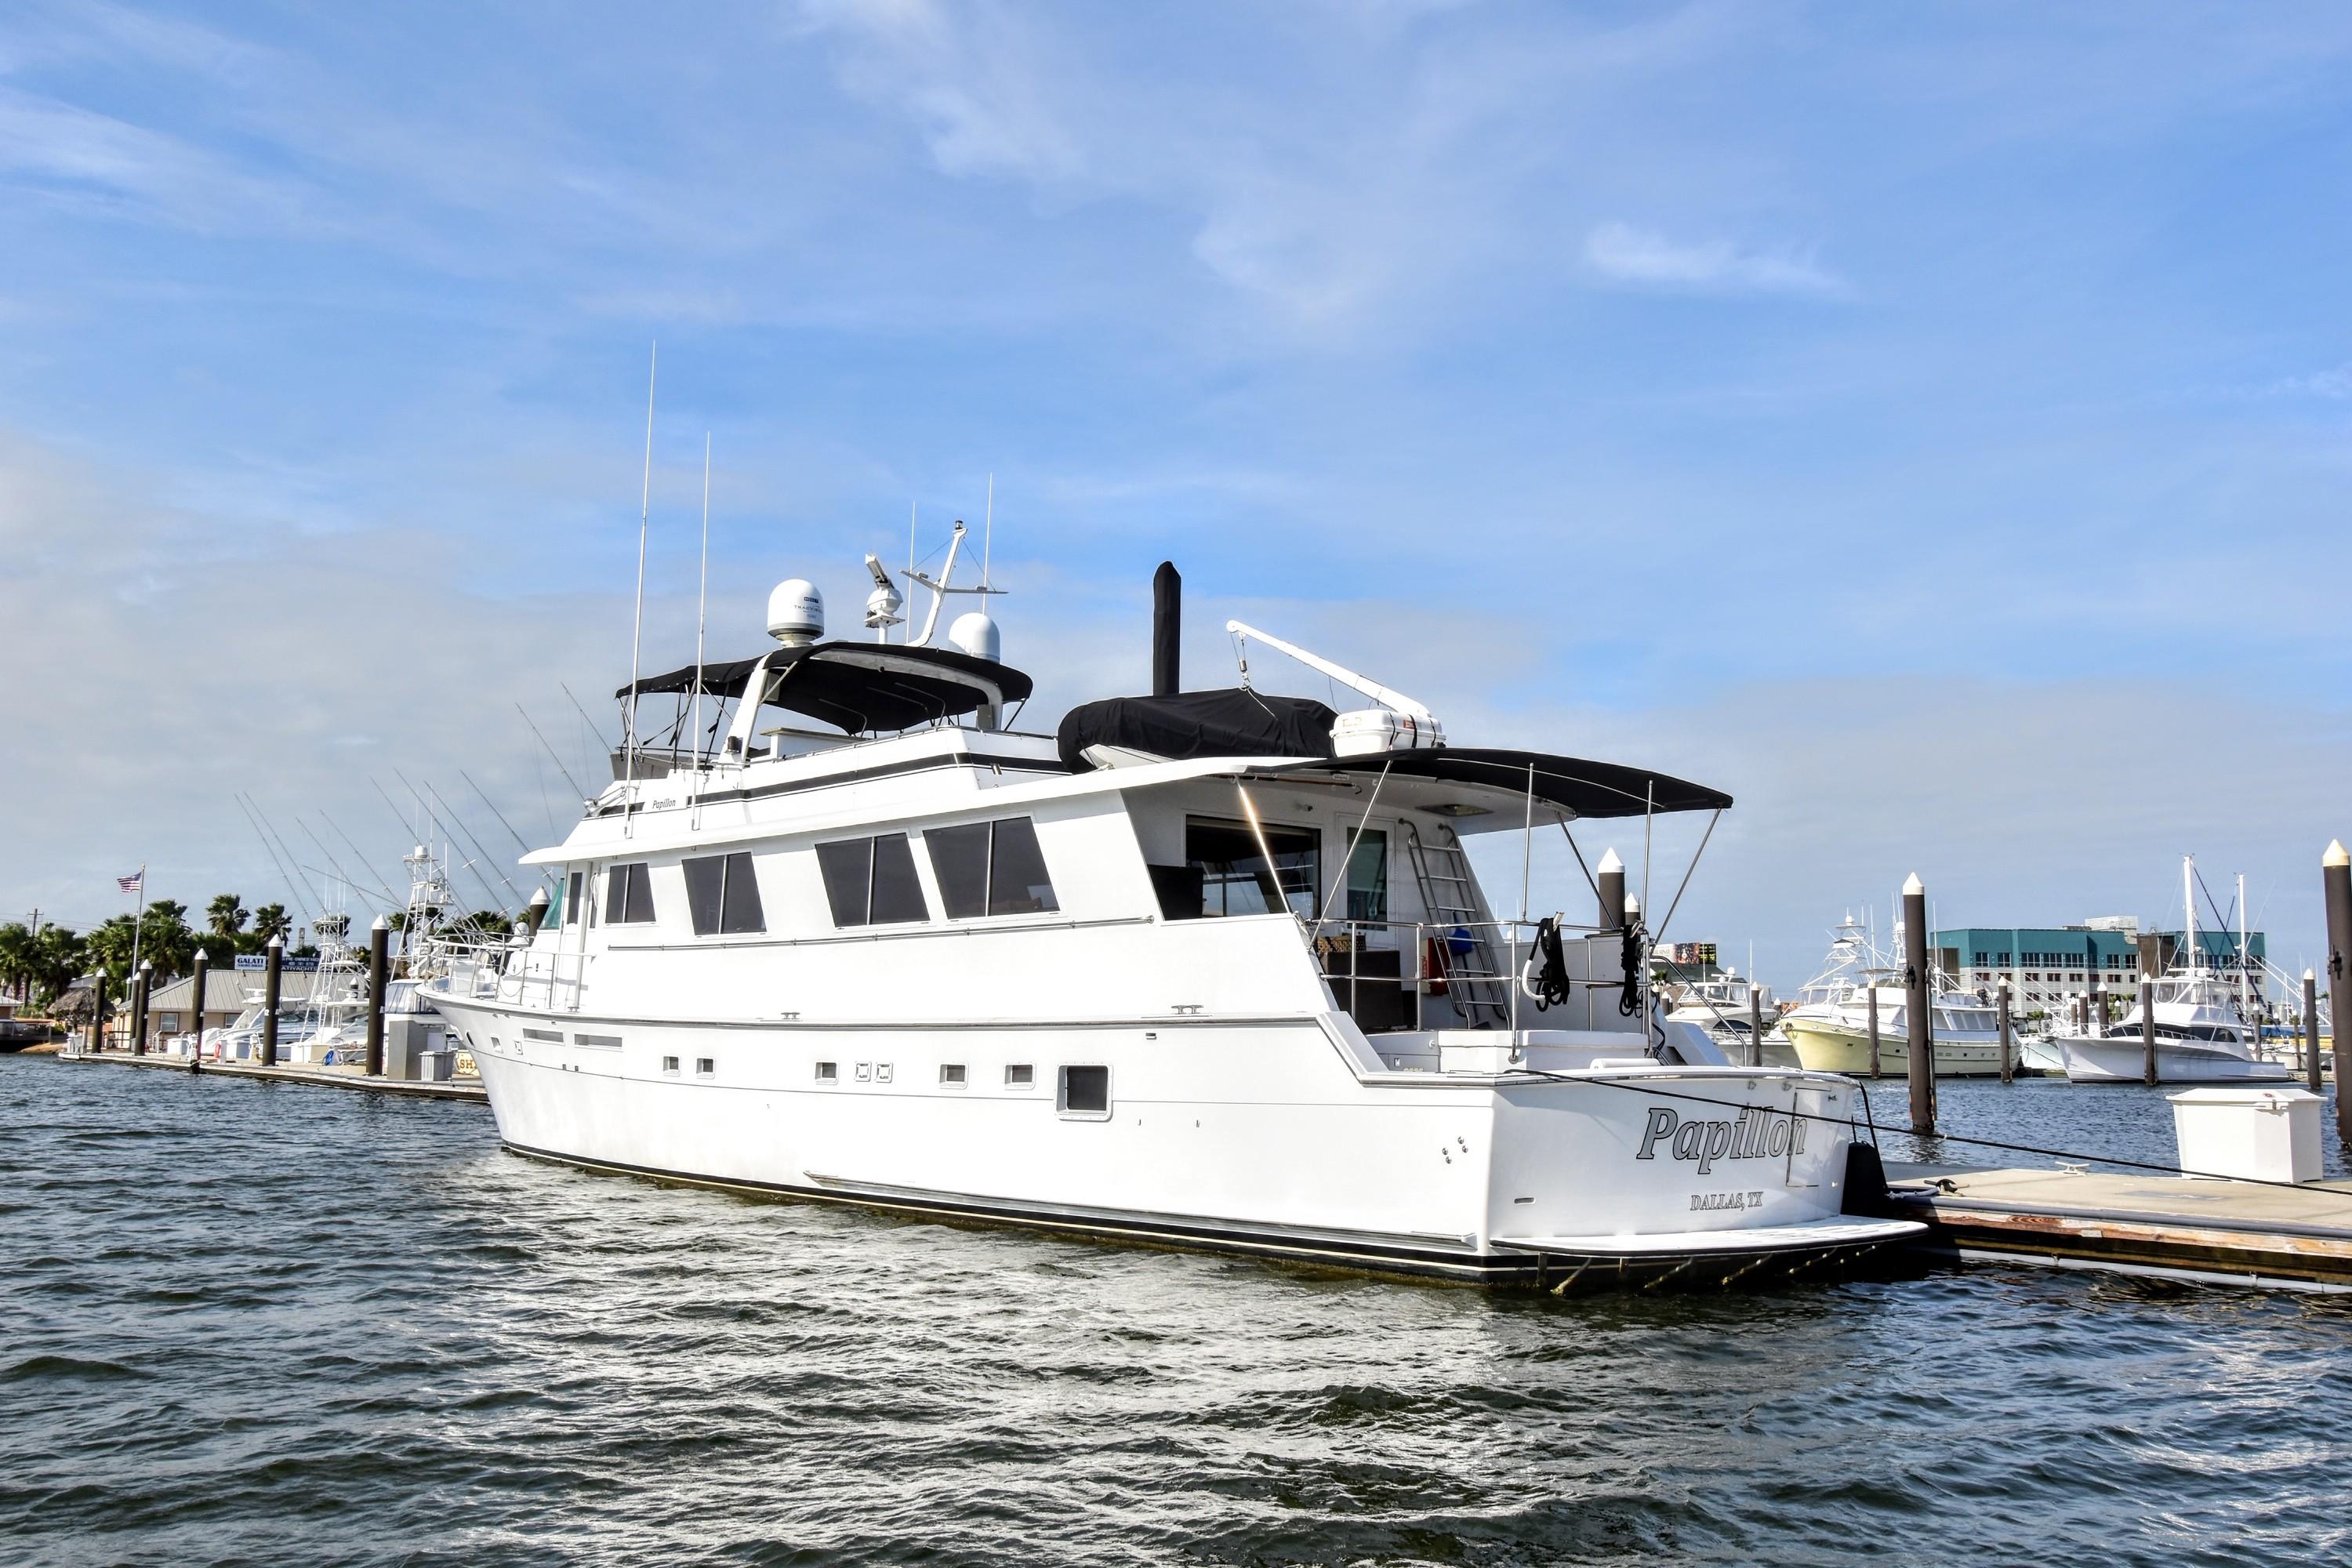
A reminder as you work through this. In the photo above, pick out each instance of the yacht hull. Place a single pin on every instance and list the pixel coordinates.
(1259, 1136)
(1823, 1046)
(2123, 1059)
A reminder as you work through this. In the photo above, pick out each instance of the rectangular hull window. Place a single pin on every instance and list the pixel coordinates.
(722, 895)
(1085, 1093)
(991, 868)
(629, 895)
(848, 870)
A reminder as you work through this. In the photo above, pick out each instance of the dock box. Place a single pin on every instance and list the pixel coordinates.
(2262, 1134)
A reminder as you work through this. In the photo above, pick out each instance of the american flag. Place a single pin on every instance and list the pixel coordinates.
(131, 883)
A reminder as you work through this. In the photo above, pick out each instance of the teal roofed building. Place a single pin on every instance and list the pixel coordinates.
(2049, 967)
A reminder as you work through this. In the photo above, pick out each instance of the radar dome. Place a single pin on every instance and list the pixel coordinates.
(976, 635)
(795, 612)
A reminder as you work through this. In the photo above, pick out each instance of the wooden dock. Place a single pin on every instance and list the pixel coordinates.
(466, 1090)
(2239, 1233)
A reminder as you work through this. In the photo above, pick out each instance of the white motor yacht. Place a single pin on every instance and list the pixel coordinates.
(2203, 1022)
(1829, 1029)
(1208, 969)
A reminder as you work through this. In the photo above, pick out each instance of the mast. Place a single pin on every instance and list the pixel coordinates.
(2189, 909)
(2244, 1009)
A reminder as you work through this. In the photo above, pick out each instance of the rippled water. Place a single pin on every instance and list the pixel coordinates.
(263, 1322)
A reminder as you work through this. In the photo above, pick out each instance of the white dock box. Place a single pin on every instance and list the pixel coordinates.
(2257, 1134)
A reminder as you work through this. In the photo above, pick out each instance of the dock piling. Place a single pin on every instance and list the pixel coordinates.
(1610, 880)
(2311, 1031)
(196, 1004)
(97, 1015)
(2006, 1071)
(272, 982)
(2148, 1031)
(1875, 1071)
(1918, 995)
(145, 985)
(2336, 881)
(379, 967)
(1755, 1028)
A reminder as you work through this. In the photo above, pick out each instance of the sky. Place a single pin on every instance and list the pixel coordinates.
(1927, 424)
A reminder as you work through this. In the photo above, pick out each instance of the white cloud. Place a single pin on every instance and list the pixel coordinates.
(1628, 255)
(2330, 384)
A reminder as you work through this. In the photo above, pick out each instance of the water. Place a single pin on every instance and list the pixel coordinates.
(263, 1322)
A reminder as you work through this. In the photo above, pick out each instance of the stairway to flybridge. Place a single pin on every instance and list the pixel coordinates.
(1464, 945)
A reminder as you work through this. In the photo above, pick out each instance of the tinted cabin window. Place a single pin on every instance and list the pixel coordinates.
(629, 895)
(871, 881)
(1368, 877)
(848, 869)
(571, 903)
(1234, 876)
(722, 895)
(960, 861)
(992, 868)
(1017, 882)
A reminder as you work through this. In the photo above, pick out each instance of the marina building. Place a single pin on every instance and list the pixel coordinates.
(2049, 967)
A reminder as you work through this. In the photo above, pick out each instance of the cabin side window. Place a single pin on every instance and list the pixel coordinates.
(1234, 876)
(722, 895)
(572, 897)
(871, 881)
(991, 868)
(1367, 877)
(629, 895)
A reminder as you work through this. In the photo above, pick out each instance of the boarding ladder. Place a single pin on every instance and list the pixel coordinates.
(1450, 902)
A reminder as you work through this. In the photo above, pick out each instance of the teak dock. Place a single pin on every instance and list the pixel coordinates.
(2239, 1233)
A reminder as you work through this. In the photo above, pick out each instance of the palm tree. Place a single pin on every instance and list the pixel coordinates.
(271, 920)
(58, 959)
(15, 957)
(227, 915)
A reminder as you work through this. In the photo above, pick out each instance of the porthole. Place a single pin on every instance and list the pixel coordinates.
(705, 1066)
(952, 1075)
(669, 1064)
(1020, 1075)
(828, 1072)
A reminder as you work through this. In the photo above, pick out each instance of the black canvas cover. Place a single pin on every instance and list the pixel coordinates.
(1577, 784)
(1234, 722)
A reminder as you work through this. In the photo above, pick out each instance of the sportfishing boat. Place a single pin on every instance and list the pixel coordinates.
(2206, 1028)
(1208, 968)
(1830, 1026)
(1719, 1004)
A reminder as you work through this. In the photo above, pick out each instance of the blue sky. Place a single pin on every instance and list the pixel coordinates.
(1929, 424)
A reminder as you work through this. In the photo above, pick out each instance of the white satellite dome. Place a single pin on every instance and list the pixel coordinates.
(976, 634)
(795, 612)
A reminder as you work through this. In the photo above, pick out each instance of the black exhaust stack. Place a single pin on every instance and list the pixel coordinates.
(1167, 629)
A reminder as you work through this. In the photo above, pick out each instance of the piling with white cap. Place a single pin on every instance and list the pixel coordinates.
(1917, 995)
(2007, 1070)
(145, 988)
(196, 1004)
(273, 971)
(1610, 881)
(379, 971)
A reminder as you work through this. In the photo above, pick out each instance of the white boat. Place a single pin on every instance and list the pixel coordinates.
(1829, 1029)
(1719, 1004)
(2204, 1029)
(1207, 969)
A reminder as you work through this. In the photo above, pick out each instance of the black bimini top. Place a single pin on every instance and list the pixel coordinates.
(857, 688)
(1240, 723)
(1584, 788)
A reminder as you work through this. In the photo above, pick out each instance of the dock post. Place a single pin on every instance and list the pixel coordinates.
(2005, 1068)
(1611, 880)
(2148, 1031)
(1871, 990)
(273, 981)
(379, 969)
(1918, 996)
(2311, 1032)
(1755, 1028)
(2094, 1009)
(1167, 630)
(145, 983)
(197, 1001)
(97, 1015)
(2336, 877)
